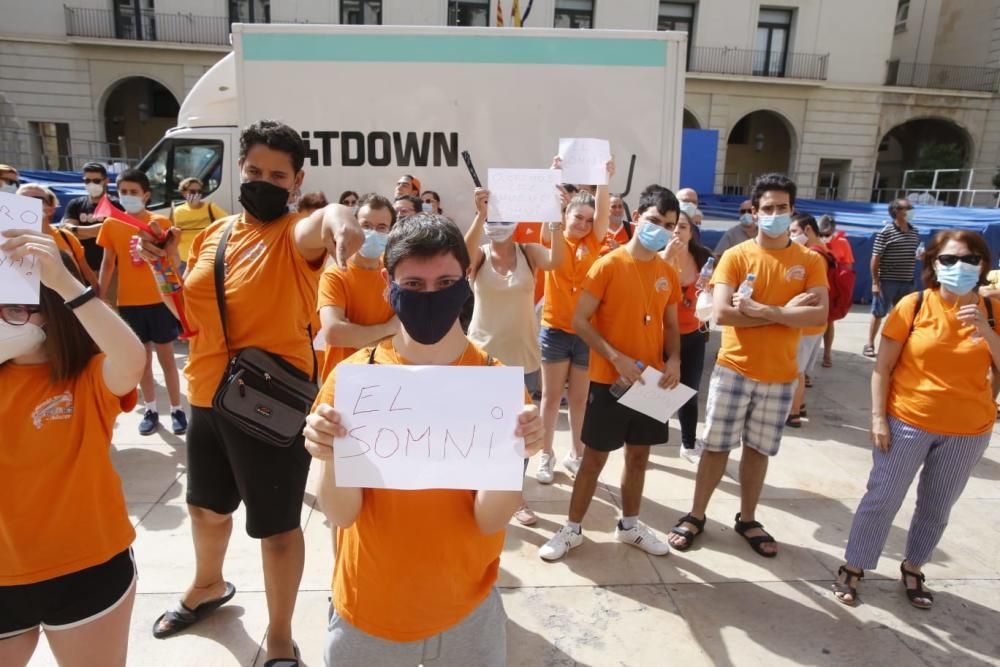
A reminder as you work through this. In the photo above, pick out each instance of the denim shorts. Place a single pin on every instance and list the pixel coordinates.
(558, 345)
(889, 295)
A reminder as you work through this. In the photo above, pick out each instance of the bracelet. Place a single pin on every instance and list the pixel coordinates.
(555, 226)
(85, 296)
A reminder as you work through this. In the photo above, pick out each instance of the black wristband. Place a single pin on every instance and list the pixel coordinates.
(86, 296)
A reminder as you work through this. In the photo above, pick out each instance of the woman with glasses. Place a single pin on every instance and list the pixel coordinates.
(193, 216)
(687, 256)
(348, 198)
(68, 367)
(66, 242)
(932, 410)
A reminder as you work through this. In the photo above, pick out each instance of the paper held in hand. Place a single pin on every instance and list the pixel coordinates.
(650, 400)
(524, 195)
(429, 427)
(585, 160)
(19, 278)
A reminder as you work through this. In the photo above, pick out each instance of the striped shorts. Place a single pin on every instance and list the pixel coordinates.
(744, 411)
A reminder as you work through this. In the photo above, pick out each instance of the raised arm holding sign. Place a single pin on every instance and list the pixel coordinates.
(585, 160)
(524, 194)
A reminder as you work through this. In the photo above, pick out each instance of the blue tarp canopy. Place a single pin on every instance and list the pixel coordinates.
(66, 184)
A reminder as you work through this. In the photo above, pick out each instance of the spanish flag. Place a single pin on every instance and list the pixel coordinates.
(499, 13)
(515, 13)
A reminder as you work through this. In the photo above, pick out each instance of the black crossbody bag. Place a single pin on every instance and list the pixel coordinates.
(261, 394)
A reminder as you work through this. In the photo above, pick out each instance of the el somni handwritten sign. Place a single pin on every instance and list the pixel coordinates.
(517, 195)
(429, 427)
(585, 160)
(19, 278)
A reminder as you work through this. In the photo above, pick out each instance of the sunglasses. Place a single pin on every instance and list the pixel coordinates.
(745, 210)
(951, 260)
(17, 315)
(93, 180)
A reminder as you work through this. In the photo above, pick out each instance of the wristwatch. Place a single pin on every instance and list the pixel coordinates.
(84, 297)
(555, 226)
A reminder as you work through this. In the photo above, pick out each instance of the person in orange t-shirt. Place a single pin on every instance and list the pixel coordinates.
(565, 356)
(627, 313)
(841, 248)
(751, 388)
(352, 305)
(932, 410)
(66, 242)
(619, 228)
(440, 598)
(68, 368)
(139, 300)
(272, 262)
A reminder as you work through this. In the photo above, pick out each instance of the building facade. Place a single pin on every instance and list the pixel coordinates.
(845, 95)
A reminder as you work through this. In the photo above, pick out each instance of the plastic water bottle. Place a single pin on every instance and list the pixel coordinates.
(706, 274)
(920, 250)
(622, 384)
(746, 287)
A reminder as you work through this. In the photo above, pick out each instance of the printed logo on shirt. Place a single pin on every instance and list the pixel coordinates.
(797, 272)
(252, 254)
(57, 408)
(582, 251)
(662, 284)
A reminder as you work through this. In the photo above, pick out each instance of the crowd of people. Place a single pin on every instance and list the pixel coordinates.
(586, 305)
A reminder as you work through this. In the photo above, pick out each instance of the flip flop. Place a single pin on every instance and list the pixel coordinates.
(828, 363)
(286, 662)
(182, 617)
(869, 351)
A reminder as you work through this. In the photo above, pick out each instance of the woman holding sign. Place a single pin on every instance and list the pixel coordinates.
(438, 599)
(68, 367)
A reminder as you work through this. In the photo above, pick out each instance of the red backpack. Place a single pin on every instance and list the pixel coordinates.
(841, 280)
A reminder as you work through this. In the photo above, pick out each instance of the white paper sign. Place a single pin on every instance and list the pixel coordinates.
(524, 195)
(585, 160)
(429, 427)
(19, 279)
(650, 400)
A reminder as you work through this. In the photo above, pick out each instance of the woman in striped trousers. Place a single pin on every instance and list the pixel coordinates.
(932, 410)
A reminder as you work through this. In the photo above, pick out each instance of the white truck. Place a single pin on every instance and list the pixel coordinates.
(375, 102)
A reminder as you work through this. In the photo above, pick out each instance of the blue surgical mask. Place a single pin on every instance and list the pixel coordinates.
(374, 244)
(774, 225)
(427, 207)
(959, 278)
(746, 219)
(909, 214)
(653, 237)
(132, 204)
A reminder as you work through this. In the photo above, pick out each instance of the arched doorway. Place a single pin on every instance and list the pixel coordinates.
(137, 113)
(690, 121)
(760, 142)
(922, 145)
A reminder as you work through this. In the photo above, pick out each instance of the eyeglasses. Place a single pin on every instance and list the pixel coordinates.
(93, 180)
(17, 315)
(193, 192)
(951, 260)
(746, 210)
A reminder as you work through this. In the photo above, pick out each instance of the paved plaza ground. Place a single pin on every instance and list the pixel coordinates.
(611, 604)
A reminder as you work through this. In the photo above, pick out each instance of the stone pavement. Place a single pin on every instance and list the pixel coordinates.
(610, 604)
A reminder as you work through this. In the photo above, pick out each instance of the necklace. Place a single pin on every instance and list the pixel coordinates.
(646, 318)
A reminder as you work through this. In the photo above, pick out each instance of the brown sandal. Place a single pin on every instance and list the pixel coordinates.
(917, 592)
(848, 587)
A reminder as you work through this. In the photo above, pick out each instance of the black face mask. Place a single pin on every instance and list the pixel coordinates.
(428, 316)
(264, 201)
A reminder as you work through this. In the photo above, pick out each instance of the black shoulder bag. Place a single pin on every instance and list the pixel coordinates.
(261, 394)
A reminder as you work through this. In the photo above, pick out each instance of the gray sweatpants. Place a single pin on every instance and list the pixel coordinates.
(480, 639)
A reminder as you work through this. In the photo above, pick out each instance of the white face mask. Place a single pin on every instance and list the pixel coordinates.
(94, 189)
(17, 341)
(499, 231)
(800, 238)
(9, 188)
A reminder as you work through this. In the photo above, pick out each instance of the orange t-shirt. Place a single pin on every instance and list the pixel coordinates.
(270, 300)
(531, 232)
(563, 284)
(941, 382)
(633, 296)
(613, 240)
(69, 244)
(841, 249)
(767, 353)
(414, 563)
(361, 294)
(62, 508)
(136, 284)
(686, 319)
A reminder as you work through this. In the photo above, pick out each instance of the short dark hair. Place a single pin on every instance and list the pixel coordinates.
(377, 202)
(773, 183)
(652, 187)
(570, 188)
(97, 168)
(660, 198)
(827, 225)
(134, 176)
(274, 135)
(806, 220)
(417, 202)
(975, 242)
(894, 206)
(345, 194)
(312, 201)
(424, 235)
(68, 345)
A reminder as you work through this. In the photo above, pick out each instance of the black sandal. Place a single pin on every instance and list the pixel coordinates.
(286, 662)
(755, 542)
(181, 617)
(795, 421)
(918, 592)
(848, 587)
(802, 411)
(686, 533)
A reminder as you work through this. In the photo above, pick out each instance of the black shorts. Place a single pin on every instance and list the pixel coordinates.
(608, 425)
(226, 466)
(68, 601)
(152, 324)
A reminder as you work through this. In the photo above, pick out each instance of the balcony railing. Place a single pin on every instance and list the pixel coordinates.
(152, 26)
(748, 62)
(945, 77)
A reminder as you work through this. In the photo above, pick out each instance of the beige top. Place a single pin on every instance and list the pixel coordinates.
(504, 321)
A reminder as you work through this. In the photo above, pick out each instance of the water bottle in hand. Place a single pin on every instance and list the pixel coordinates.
(920, 250)
(746, 287)
(706, 275)
(622, 384)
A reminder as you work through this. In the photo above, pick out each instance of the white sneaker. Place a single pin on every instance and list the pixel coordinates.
(642, 537)
(572, 464)
(560, 543)
(693, 455)
(545, 475)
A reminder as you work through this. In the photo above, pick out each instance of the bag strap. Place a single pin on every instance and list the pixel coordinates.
(627, 224)
(916, 311)
(220, 280)
(989, 314)
(527, 258)
(211, 214)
